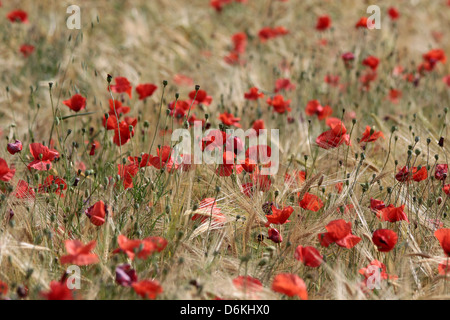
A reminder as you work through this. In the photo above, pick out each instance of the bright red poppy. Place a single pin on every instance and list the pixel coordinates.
(443, 235)
(334, 137)
(122, 86)
(279, 104)
(147, 289)
(18, 16)
(97, 213)
(127, 173)
(362, 23)
(309, 256)
(323, 23)
(58, 291)
(371, 135)
(290, 285)
(392, 214)
(339, 232)
(284, 84)
(229, 119)
(6, 174)
(200, 97)
(125, 131)
(145, 90)
(3, 289)
(311, 202)
(376, 204)
(371, 62)
(53, 185)
(315, 108)
(43, 157)
(279, 216)
(247, 284)
(76, 103)
(79, 254)
(393, 13)
(27, 50)
(140, 248)
(24, 191)
(253, 94)
(385, 239)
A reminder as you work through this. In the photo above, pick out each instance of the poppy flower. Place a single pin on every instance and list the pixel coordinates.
(311, 202)
(163, 157)
(334, 137)
(201, 97)
(446, 189)
(371, 270)
(315, 108)
(443, 235)
(79, 254)
(208, 210)
(240, 42)
(183, 80)
(309, 256)
(385, 239)
(348, 58)
(125, 275)
(3, 289)
(43, 157)
(122, 133)
(446, 80)
(76, 103)
(371, 62)
(435, 55)
(229, 119)
(122, 86)
(444, 268)
(392, 214)
(24, 191)
(339, 232)
(274, 235)
(259, 153)
(394, 95)
(253, 94)
(367, 78)
(248, 284)
(116, 107)
(27, 50)
(371, 135)
(127, 173)
(279, 216)
(441, 172)
(393, 13)
(232, 58)
(261, 182)
(416, 174)
(58, 291)
(298, 177)
(362, 23)
(339, 187)
(15, 147)
(258, 125)
(53, 184)
(18, 16)
(376, 204)
(279, 104)
(290, 285)
(97, 213)
(6, 174)
(147, 289)
(323, 23)
(332, 80)
(284, 84)
(140, 248)
(267, 33)
(145, 90)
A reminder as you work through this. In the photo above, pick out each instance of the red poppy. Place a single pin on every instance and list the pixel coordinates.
(15, 147)
(122, 86)
(367, 78)
(23, 191)
(26, 50)
(6, 174)
(362, 23)
(140, 248)
(348, 58)
(371, 270)
(125, 275)
(229, 119)
(43, 157)
(416, 174)
(53, 184)
(371, 135)
(279, 104)
(376, 204)
(279, 216)
(240, 42)
(309, 256)
(435, 55)
(340, 232)
(183, 80)
(97, 213)
(58, 291)
(332, 80)
(258, 125)
(441, 172)
(311, 202)
(79, 254)
(395, 95)
(163, 157)
(127, 173)
(18, 16)
(392, 214)
(385, 239)
(443, 235)
(323, 23)
(267, 33)
(371, 62)
(334, 137)
(290, 285)
(3, 289)
(446, 189)
(201, 97)
(123, 134)
(393, 13)
(274, 235)
(446, 80)
(444, 268)
(145, 90)
(284, 84)
(147, 289)
(248, 284)
(253, 94)
(314, 108)
(339, 187)
(76, 103)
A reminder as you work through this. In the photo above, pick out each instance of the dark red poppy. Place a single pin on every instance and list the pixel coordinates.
(385, 239)
(253, 94)
(311, 202)
(97, 213)
(443, 235)
(3, 289)
(145, 90)
(15, 147)
(274, 235)
(79, 254)
(371, 62)
(125, 275)
(290, 285)
(76, 103)
(339, 232)
(323, 23)
(43, 157)
(376, 204)
(18, 16)
(392, 214)
(441, 172)
(309, 256)
(122, 86)
(147, 289)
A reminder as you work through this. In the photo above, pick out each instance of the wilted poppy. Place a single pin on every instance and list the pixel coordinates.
(125, 275)
(441, 172)
(15, 147)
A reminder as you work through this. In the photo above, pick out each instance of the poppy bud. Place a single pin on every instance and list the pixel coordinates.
(441, 142)
(109, 78)
(197, 87)
(15, 147)
(439, 200)
(165, 83)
